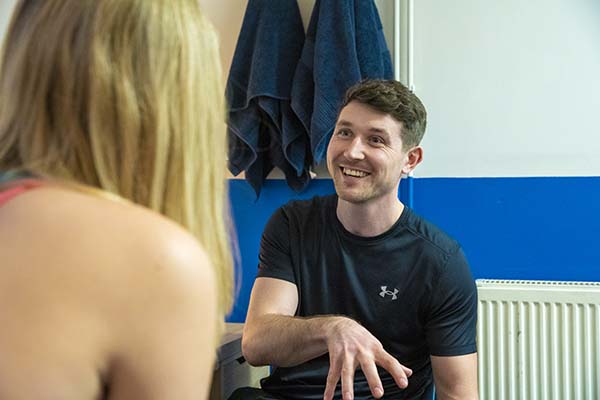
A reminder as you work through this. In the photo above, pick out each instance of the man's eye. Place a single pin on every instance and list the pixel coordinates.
(343, 132)
(377, 140)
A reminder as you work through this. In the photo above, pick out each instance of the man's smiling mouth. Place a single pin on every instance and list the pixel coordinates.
(354, 172)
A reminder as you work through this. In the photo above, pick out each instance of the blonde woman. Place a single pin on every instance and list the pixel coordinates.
(115, 269)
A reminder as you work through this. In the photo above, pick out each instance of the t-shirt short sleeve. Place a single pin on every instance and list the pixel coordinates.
(275, 257)
(451, 328)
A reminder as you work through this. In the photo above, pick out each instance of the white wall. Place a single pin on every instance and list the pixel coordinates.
(512, 87)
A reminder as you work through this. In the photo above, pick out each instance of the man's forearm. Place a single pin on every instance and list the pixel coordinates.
(284, 340)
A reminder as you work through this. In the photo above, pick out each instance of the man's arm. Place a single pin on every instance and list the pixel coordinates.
(452, 330)
(273, 336)
(455, 377)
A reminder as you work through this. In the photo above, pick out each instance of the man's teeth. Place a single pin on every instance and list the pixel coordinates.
(354, 172)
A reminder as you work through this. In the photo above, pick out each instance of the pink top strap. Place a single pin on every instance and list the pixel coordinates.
(18, 188)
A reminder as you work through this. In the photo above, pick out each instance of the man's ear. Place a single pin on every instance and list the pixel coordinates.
(413, 158)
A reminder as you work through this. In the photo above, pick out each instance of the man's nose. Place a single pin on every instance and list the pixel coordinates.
(355, 150)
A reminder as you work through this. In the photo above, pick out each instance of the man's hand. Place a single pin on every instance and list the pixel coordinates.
(351, 345)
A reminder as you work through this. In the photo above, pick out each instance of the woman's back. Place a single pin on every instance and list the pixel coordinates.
(101, 299)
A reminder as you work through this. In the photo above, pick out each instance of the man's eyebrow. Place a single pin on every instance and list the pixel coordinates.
(343, 122)
(372, 129)
(378, 130)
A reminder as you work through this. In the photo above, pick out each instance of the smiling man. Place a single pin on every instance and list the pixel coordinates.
(357, 296)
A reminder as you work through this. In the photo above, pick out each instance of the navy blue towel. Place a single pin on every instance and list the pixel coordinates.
(344, 45)
(263, 130)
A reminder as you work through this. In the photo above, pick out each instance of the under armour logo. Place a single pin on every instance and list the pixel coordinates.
(385, 292)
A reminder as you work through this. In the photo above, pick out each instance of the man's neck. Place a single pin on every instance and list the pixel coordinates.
(369, 219)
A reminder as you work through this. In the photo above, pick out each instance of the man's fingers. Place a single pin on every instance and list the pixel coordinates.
(370, 370)
(348, 379)
(333, 377)
(399, 372)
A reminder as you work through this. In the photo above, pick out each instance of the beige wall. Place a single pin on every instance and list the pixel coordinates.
(6, 7)
(227, 16)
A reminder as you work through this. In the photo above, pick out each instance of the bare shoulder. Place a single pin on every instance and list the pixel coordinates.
(116, 242)
(133, 291)
(102, 219)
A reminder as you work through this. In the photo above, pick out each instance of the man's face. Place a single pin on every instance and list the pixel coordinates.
(365, 157)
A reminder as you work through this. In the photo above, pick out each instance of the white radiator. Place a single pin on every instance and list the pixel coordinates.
(538, 340)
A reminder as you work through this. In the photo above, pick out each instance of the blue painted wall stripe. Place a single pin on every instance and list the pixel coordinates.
(510, 228)
(519, 228)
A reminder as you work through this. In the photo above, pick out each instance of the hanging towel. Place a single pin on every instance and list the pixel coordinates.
(263, 130)
(344, 45)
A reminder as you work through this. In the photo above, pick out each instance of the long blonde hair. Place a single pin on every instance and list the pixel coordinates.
(125, 96)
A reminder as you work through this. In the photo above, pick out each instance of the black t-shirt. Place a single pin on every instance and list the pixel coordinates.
(410, 287)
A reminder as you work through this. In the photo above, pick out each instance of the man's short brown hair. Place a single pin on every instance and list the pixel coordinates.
(393, 98)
